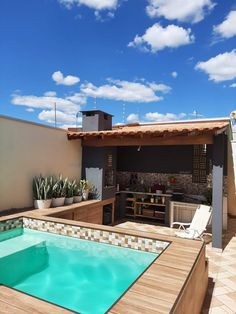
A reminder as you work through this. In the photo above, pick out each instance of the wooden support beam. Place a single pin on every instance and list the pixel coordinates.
(149, 141)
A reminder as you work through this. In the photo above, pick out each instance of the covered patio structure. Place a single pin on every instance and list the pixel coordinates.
(211, 136)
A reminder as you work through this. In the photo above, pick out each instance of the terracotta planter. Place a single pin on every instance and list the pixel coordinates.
(59, 201)
(69, 200)
(77, 199)
(42, 204)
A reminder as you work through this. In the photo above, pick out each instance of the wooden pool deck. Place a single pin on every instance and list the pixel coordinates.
(176, 282)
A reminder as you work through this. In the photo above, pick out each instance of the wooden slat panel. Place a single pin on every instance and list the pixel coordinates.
(196, 286)
(95, 215)
(81, 214)
(66, 215)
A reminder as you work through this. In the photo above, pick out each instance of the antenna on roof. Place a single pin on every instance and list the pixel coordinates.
(123, 113)
(138, 113)
(95, 103)
(195, 114)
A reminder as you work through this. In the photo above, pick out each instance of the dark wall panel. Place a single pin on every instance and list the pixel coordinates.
(164, 159)
(94, 163)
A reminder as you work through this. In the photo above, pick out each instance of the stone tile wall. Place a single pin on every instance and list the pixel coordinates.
(183, 181)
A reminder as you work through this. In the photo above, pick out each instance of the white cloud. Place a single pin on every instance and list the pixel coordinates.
(165, 89)
(174, 74)
(162, 117)
(97, 5)
(221, 67)
(68, 80)
(66, 126)
(227, 28)
(157, 38)
(77, 98)
(62, 117)
(158, 117)
(233, 85)
(182, 10)
(133, 117)
(103, 17)
(50, 94)
(122, 91)
(67, 107)
(43, 102)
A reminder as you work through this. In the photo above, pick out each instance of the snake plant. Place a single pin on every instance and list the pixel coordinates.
(42, 188)
(59, 186)
(70, 188)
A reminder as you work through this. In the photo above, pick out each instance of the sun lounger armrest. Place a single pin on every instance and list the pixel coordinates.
(181, 225)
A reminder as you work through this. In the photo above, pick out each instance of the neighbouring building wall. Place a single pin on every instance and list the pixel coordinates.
(28, 149)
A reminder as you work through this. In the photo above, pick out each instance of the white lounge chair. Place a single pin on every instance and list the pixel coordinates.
(198, 225)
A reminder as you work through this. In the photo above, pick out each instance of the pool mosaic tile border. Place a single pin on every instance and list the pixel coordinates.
(108, 237)
(11, 224)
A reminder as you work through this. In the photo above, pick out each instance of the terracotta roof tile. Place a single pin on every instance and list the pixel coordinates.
(162, 129)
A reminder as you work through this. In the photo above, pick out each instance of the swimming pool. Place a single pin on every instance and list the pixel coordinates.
(83, 276)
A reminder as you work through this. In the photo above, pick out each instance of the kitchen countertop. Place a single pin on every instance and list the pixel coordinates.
(144, 193)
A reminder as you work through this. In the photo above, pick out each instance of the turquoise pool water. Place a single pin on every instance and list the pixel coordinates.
(84, 276)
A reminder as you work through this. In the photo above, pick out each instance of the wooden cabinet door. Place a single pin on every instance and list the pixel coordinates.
(69, 216)
(95, 215)
(81, 214)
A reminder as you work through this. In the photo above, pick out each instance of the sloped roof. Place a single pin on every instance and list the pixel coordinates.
(161, 129)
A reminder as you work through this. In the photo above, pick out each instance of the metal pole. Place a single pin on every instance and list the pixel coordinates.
(123, 114)
(95, 102)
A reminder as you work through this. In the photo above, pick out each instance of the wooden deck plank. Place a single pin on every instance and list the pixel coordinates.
(163, 272)
(168, 294)
(10, 309)
(28, 303)
(167, 290)
(136, 303)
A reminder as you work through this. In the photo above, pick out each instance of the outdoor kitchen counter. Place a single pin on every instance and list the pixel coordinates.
(144, 193)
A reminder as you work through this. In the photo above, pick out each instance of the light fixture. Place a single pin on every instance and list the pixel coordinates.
(139, 148)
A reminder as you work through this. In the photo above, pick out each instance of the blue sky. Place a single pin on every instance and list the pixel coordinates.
(160, 60)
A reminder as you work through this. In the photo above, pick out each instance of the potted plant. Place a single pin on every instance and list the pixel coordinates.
(70, 186)
(59, 191)
(42, 192)
(77, 193)
(84, 185)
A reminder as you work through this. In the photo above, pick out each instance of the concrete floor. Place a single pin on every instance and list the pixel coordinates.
(221, 294)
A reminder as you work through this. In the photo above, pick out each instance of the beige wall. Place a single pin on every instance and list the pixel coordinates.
(28, 149)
